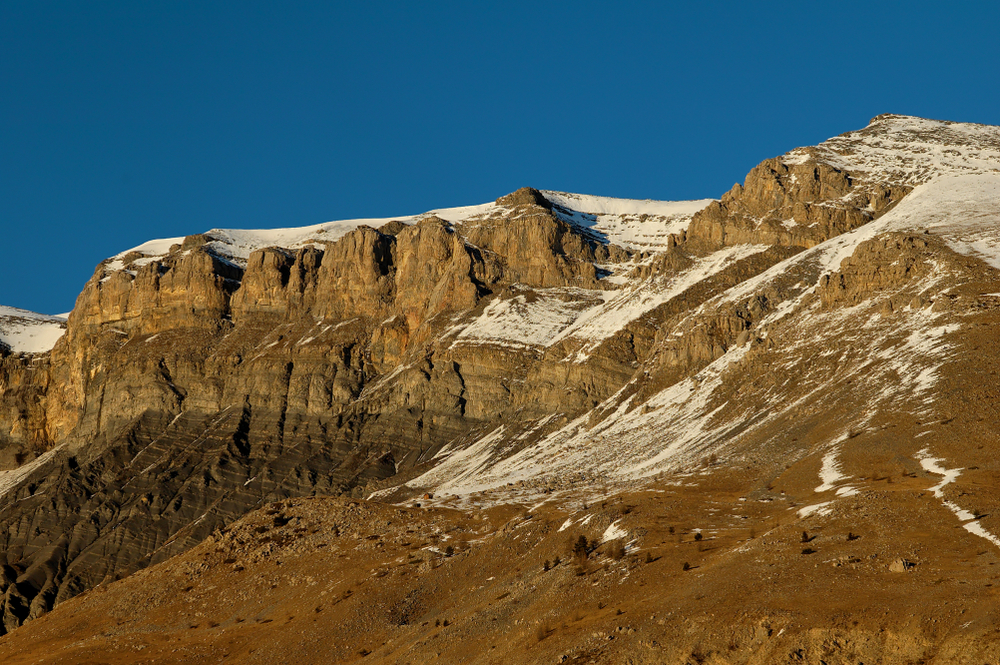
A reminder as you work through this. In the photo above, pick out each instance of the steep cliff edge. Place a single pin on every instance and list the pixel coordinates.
(539, 347)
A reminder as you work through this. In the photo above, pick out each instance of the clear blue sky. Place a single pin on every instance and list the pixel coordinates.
(125, 121)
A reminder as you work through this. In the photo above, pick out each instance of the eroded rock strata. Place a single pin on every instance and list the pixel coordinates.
(524, 350)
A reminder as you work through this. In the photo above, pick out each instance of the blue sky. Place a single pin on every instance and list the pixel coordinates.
(125, 121)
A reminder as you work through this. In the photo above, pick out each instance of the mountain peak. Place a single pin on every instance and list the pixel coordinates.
(524, 196)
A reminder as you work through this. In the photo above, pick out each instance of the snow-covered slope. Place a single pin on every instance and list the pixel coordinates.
(909, 151)
(641, 225)
(22, 331)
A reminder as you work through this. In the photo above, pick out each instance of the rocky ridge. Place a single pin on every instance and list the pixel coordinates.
(545, 348)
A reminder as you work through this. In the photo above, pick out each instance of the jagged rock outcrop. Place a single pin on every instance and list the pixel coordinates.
(224, 373)
(190, 388)
(793, 203)
(888, 261)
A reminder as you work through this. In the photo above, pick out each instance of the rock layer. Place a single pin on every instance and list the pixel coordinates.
(194, 386)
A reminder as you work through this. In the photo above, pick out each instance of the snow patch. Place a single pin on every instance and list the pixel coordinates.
(932, 465)
(23, 331)
(9, 480)
(830, 473)
(818, 509)
(614, 532)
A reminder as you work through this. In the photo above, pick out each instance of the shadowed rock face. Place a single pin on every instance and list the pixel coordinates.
(192, 388)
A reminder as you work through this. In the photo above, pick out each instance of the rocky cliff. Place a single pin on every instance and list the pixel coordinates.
(546, 347)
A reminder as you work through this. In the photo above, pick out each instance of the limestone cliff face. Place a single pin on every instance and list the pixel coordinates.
(194, 385)
(190, 387)
(878, 264)
(788, 202)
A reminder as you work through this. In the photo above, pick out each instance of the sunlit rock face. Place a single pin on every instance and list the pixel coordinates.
(543, 345)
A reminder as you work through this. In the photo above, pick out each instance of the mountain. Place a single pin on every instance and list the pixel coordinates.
(723, 398)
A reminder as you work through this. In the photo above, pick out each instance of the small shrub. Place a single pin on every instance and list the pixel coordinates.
(808, 550)
(542, 631)
(852, 536)
(545, 566)
(698, 536)
(686, 567)
(449, 551)
(617, 550)
(556, 562)
(649, 557)
(805, 537)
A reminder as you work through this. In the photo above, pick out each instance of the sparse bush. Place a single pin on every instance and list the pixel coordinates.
(808, 550)
(542, 631)
(617, 550)
(649, 557)
(545, 566)
(805, 537)
(449, 551)
(556, 562)
(686, 567)
(698, 536)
